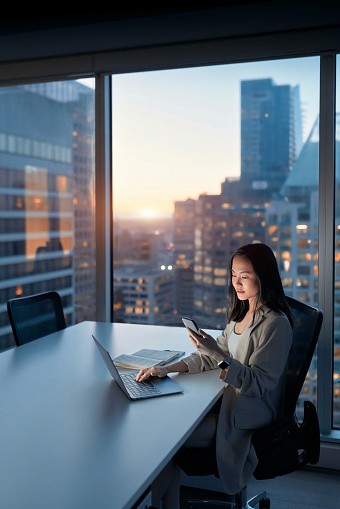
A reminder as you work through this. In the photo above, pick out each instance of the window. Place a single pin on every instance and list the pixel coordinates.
(205, 160)
(46, 196)
(336, 346)
(187, 278)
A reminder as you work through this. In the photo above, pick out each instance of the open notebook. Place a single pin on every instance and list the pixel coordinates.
(151, 388)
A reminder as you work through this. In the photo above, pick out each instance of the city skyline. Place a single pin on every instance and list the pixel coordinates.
(179, 130)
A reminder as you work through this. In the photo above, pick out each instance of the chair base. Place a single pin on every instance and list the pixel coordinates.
(261, 499)
(240, 502)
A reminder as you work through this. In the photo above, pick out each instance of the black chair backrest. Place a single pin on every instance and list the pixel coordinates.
(306, 329)
(35, 316)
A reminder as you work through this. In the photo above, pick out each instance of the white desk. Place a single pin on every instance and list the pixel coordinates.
(69, 437)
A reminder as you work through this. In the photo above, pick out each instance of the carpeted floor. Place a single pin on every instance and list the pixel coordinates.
(305, 489)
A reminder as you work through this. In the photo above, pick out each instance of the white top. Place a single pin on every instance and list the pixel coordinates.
(233, 341)
(70, 438)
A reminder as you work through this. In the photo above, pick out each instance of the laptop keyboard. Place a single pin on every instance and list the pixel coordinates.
(138, 389)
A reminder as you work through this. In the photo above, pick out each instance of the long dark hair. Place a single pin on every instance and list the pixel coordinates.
(271, 291)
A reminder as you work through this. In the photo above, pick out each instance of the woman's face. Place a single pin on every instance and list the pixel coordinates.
(244, 279)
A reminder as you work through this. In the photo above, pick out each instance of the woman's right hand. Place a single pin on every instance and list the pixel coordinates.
(145, 373)
(206, 345)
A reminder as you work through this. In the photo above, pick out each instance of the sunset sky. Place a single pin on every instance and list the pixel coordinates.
(176, 134)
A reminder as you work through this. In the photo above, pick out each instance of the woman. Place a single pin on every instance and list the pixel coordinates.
(252, 354)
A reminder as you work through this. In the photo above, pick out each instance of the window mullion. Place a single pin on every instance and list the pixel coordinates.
(103, 198)
(326, 240)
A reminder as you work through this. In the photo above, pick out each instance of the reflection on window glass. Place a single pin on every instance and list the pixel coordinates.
(205, 160)
(46, 196)
(336, 376)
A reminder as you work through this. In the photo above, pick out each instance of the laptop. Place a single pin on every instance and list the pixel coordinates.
(150, 388)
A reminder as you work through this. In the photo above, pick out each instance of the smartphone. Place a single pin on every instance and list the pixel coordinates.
(191, 324)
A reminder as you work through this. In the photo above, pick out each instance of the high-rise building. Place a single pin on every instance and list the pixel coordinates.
(184, 244)
(271, 134)
(292, 227)
(46, 196)
(143, 294)
(80, 103)
(292, 231)
(143, 282)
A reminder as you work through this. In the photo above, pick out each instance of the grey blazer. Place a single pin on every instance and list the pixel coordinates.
(253, 394)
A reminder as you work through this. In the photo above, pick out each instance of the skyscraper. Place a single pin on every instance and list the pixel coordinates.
(184, 241)
(46, 199)
(271, 134)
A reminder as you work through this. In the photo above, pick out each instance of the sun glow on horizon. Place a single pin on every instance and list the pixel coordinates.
(148, 213)
(143, 215)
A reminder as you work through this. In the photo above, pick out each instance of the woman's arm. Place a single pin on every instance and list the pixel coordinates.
(208, 353)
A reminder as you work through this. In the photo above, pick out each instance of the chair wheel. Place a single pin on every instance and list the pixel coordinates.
(265, 503)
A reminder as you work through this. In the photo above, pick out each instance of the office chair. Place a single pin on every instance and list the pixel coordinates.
(35, 316)
(286, 445)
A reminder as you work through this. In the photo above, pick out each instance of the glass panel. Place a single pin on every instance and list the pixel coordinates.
(47, 196)
(205, 160)
(336, 376)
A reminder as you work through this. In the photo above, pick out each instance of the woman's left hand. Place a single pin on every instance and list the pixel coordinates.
(206, 345)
